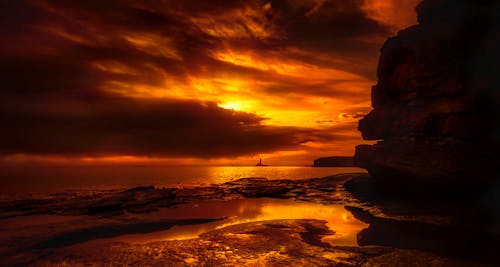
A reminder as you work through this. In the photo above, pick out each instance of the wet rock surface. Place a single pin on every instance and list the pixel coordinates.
(398, 234)
(61, 220)
(147, 199)
(457, 226)
(266, 243)
(436, 106)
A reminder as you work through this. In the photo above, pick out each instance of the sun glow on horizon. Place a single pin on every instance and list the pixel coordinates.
(291, 79)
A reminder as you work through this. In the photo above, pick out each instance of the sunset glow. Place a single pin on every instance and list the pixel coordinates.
(249, 133)
(285, 77)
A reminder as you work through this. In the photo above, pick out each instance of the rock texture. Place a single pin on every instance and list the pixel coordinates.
(220, 225)
(436, 106)
(263, 243)
(147, 199)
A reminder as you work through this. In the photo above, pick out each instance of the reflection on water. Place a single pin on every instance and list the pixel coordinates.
(339, 220)
(58, 178)
(227, 173)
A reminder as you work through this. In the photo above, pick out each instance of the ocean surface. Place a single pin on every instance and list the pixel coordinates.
(54, 179)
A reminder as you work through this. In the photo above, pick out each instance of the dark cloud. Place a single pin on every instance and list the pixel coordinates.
(331, 89)
(330, 25)
(46, 75)
(151, 127)
(46, 27)
(54, 99)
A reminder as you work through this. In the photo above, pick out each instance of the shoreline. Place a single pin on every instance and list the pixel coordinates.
(135, 210)
(68, 180)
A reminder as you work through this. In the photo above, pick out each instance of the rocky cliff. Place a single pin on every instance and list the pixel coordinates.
(436, 106)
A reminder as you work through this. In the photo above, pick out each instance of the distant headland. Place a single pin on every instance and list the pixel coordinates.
(338, 161)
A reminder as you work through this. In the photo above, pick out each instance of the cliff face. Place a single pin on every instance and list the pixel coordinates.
(436, 106)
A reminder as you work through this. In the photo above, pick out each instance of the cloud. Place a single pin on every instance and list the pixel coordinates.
(147, 127)
(151, 77)
(329, 25)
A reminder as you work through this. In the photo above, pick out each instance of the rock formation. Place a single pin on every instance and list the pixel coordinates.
(436, 106)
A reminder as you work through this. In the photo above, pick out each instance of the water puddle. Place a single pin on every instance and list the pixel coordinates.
(239, 211)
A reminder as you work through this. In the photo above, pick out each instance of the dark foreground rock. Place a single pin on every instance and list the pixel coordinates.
(61, 231)
(437, 101)
(32, 229)
(462, 241)
(148, 199)
(453, 226)
(435, 182)
(264, 243)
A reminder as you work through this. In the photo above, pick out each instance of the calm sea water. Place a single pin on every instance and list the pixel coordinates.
(58, 179)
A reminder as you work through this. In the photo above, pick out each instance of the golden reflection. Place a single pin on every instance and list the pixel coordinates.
(240, 211)
(222, 174)
(339, 220)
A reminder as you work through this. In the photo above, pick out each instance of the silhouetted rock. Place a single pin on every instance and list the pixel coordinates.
(141, 200)
(140, 188)
(464, 242)
(437, 101)
(399, 234)
(334, 162)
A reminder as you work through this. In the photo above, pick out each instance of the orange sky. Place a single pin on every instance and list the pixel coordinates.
(292, 70)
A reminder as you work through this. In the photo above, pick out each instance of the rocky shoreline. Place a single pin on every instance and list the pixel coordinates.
(418, 235)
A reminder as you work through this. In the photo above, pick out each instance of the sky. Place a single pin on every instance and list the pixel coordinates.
(188, 82)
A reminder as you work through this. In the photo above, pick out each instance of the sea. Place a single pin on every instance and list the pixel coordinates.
(56, 179)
